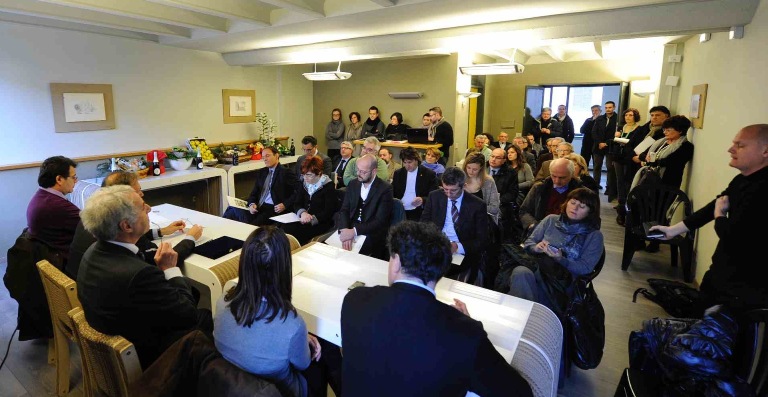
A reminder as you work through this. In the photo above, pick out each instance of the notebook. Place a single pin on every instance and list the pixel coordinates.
(417, 135)
(218, 247)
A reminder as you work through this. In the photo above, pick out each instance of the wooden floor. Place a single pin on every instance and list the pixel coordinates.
(26, 372)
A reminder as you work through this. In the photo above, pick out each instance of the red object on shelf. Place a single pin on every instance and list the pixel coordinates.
(160, 158)
(256, 156)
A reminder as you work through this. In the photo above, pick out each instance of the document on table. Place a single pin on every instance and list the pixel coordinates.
(336, 242)
(288, 217)
(645, 144)
(457, 259)
(237, 203)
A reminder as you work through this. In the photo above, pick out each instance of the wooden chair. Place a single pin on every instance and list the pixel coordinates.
(111, 361)
(657, 203)
(294, 242)
(61, 292)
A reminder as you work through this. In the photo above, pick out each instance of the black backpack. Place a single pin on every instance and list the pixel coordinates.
(678, 299)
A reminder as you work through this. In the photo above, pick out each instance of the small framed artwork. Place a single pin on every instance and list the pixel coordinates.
(82, 107)
(698, 102)
(239, 106)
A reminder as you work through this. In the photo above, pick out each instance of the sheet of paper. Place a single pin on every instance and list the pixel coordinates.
(457, 259)
(289, 217)
(621, 140)
(237, 203)
(333, 240)
(644, 145)
(159, 220)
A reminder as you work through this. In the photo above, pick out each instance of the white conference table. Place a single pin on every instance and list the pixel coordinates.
(527, 334)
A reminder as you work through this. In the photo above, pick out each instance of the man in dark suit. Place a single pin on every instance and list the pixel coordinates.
(503, 142)
(586, 134)
(464, 221)
(602, 133)
(565, 120)
(271, 193)
(440, 131)
(412, 183)
(400, 340)
(83, 240)
(506, 184)
(366, 209)
(340, 163)
(151, 306)
(309, 146)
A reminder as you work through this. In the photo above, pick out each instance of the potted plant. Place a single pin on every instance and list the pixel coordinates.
(180, 158)
(266, 128)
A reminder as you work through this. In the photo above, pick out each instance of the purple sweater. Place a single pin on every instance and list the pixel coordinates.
(53, 220)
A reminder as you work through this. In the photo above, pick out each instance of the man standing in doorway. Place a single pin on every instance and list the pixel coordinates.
(586, 134)
(602, 133)
(567, 123)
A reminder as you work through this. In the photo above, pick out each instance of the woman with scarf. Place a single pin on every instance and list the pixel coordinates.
(334, 134)
(561, 247)
(373, 126)
(314, 204)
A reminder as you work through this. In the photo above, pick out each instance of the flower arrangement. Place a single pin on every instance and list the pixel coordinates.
(266, 128)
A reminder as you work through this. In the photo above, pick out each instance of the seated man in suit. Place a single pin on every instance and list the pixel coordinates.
(309, 146)
(549, 155)
(83, 239)
(563, 149)
(51, 218)
(412, 183)
(430, 348)
(371, 146)
(545, 198)
(340, 163)
(503, 142)
(366, 209)
(151, 306)
(508, 188)
(271, 193)
(464, 221)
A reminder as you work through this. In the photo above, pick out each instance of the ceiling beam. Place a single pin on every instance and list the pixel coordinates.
(61, 13)
(601, 46)
(299, 7)
(385, 3)
(555, 53)
(251, 12)
(74, 26)
(148, 12)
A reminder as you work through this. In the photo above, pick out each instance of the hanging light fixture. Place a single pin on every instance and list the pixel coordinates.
(324, 76)
(509, 67)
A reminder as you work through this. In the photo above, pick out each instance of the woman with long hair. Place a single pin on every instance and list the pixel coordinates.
(256, 326)
(480, 184)
(518, 161)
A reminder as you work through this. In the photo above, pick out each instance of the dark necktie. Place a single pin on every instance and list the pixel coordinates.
(493, 172)
(140, 254)
(268, 186)
(454, 213)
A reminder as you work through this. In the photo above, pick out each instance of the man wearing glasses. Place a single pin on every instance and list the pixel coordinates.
(51, 218)
(562, 149)
(371, 146)
(309, 146)
(366, 209)
(550, 154)
(340, 163)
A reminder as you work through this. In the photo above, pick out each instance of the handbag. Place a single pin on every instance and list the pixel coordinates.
(510, 257)
(585, 319)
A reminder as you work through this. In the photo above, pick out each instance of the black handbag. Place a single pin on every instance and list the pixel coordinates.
(585, 319)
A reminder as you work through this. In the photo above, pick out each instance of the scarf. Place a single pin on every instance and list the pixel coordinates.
(312, 188)
(652, 131)
(663, 149)
(574, 234)
(433, 129)
(372, 123)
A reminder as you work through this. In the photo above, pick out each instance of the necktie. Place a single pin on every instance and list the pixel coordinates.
(140, 254)
(493, 172)
(454, 213)
(266, 188)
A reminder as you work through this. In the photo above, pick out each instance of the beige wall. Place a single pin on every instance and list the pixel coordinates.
(736, 97)
(372, 80)
(162, 95)
(505, 94)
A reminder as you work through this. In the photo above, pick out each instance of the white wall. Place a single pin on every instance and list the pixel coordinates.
(736, 97)
(162, 95)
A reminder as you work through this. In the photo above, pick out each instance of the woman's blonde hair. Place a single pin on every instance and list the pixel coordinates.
(578, 160)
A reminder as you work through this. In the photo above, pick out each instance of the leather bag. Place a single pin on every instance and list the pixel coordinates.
(586, 322)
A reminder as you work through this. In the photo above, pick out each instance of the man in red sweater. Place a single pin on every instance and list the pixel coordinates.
(51, 218)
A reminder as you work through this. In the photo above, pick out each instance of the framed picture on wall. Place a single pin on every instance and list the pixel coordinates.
(239, 106)
(82, 107)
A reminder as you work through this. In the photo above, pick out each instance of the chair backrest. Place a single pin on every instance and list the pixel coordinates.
(112, 362)
(598, 268)
(61, 292)
(647, 203)
(295, 244)
(398, 212)
(751, 355)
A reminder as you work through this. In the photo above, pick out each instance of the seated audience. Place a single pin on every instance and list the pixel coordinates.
(549, 155)
(464, 221)
(525, 147)
(563, 149)
(340, 163)
(83, 240)
(271, 193)
(309, 147)
(481, 185)
(431, 158)
(480, 146)
(412, 183)
(315, 202)
(366, 209)
(371, 146)
(536, 148)
(151, 306)
(546, 198)
(51, 218)
(569, 241)
(505, 179)
(503, 142)
(401, 341)
(396, 129)
(257, 327)
(392, 165)
(581, 173)
(518, 162)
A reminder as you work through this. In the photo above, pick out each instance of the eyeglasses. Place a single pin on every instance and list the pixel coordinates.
(308, 175)
(346, 147)
(564, 151)
(369, 150)
(363, 172)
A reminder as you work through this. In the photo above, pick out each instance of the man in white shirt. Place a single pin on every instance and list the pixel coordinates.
(413, 183)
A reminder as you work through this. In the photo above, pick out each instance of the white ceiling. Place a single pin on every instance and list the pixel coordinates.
(264, 32)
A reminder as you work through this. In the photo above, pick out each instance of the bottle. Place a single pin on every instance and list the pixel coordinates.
(113, 166)
(199, 160)
(235, 155)
(293, 148)
(156, 165)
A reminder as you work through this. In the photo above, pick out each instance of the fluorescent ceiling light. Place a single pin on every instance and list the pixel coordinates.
(492, 68)
(405, 95)
(324, 76)
(470, 94)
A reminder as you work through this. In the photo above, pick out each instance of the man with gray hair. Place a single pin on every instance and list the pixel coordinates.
(371, 146)
(545, 198)
(548, 126)
(120, 293)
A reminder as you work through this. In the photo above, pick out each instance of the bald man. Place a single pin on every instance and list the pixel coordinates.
(546, 198)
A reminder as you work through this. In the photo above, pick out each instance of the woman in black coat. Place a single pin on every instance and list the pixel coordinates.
(314, 203)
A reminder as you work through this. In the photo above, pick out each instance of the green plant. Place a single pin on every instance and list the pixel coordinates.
(266, 128)
(178, 153)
